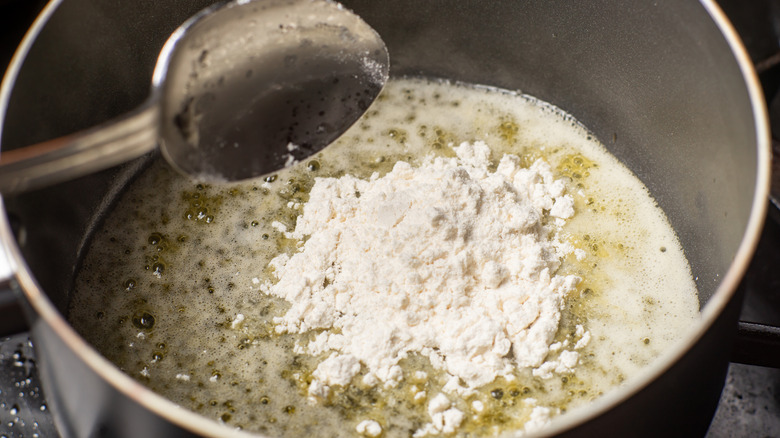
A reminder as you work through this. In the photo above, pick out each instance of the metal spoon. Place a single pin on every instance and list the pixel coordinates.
(239, 90)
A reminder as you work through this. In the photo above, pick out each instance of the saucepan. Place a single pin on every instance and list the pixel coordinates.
(665, 85)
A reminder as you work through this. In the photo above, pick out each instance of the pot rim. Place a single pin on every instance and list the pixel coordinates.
(200, 425)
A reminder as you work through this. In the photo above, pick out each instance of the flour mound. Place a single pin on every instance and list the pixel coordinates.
(449, 260)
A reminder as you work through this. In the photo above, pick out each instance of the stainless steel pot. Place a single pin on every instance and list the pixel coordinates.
(665, 85)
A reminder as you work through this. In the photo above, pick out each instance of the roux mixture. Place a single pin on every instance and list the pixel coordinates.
(170, 289)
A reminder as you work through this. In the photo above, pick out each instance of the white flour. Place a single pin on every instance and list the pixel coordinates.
(448, 260)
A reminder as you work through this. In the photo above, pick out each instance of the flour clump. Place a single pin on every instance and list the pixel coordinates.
(448, 260)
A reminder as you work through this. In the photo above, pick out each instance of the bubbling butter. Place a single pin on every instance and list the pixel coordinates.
(170, 288)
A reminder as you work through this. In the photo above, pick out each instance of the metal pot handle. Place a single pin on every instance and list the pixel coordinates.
(757, 344)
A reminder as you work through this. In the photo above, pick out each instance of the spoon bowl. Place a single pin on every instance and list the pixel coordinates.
(240, 90)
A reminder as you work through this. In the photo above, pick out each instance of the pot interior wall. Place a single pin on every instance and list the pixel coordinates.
(655, 82)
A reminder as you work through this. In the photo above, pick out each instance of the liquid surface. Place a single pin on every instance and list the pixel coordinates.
(175, 263)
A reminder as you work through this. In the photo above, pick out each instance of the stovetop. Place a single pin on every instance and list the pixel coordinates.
(750, 403)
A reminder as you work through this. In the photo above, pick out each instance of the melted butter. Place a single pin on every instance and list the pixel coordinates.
(176, 262)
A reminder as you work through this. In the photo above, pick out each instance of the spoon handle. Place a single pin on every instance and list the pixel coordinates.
(81, 153)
